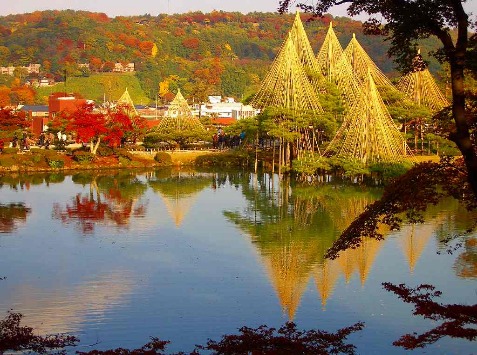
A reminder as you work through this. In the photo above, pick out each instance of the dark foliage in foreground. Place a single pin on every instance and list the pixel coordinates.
(407, 197)
(286, 340)
(455, 320)
(154, 347)
(17, 338)
(261, 341)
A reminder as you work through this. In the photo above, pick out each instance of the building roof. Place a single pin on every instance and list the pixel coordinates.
(34, 108)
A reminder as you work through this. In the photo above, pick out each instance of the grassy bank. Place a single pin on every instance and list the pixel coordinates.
(109, 86)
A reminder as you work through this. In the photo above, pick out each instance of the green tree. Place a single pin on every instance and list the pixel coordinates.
(404, 22)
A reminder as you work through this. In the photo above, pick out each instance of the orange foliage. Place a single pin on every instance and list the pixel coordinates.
(24, 94)
(179, 32)
(4, 96)
(191, 43)
(146, 47)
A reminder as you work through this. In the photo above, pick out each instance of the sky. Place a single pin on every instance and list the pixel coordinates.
(140, 7)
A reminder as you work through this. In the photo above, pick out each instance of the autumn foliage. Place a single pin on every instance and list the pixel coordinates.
(111, 126)
(11, 121)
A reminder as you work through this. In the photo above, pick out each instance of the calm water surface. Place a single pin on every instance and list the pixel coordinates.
(117, 257)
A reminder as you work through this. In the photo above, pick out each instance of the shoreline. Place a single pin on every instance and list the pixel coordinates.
(22, 162)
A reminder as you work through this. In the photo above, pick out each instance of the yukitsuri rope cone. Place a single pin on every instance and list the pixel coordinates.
(179, 116)
(362, 64)
(126, 101)
(420, 87)
(336, 68)
(286, 84)
(305, 52)
(368, 132)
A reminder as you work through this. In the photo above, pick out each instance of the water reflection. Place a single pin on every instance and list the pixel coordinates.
(178, 189)
(11, 215)
(293, 226)
(60, 310)
(112, 199)
(24, 181)
(260, 250)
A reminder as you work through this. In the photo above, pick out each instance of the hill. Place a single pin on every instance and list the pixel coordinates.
(203, 54)
(99, 87)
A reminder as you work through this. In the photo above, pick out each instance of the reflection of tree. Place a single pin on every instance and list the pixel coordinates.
(24, 181)
(112, 199)
(10, 214)
(293, 230)
(455, 320)
(407, 198)
(179, 189)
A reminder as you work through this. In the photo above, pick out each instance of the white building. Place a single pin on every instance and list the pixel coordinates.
(228, 108)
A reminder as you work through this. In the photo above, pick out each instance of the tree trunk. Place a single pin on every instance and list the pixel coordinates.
(461, 137)
(457, 55)
(94, 147)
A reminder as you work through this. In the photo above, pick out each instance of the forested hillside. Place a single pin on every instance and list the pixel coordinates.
(203, 54)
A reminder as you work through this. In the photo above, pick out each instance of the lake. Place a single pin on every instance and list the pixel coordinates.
(115, 257)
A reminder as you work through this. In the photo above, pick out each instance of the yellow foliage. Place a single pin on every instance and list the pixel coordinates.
(154, 51)
(163, 88)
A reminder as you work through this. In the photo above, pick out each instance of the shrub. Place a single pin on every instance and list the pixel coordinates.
(7, 161)
(10, 150)
(234, 159)
(55, 162)
(310, 164)
(163, 158)
(390, 170)
(152, 140)
(104, 151)
(124, 161)
(36, 158)
(123, 153)
(83, 157)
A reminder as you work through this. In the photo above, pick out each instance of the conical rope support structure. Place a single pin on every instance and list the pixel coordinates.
(419, 86)
(179, 117)
(368, 133)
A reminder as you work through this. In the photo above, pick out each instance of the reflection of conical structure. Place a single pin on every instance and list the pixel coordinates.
(360, 259)
(286, 84)
(420, 87)
(362, 65)
(125, 100)
(178, 207)
(343, 205)
(283, 228)
(414, 240)
(326, 276)
(179, 116)
(368, 132)
(179, 192)
(286, 269)
(304, 51)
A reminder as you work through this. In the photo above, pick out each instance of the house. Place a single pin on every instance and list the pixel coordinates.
(59, 101)
(123, 68)
(37, 115)
(224, 112)
(30, 69)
